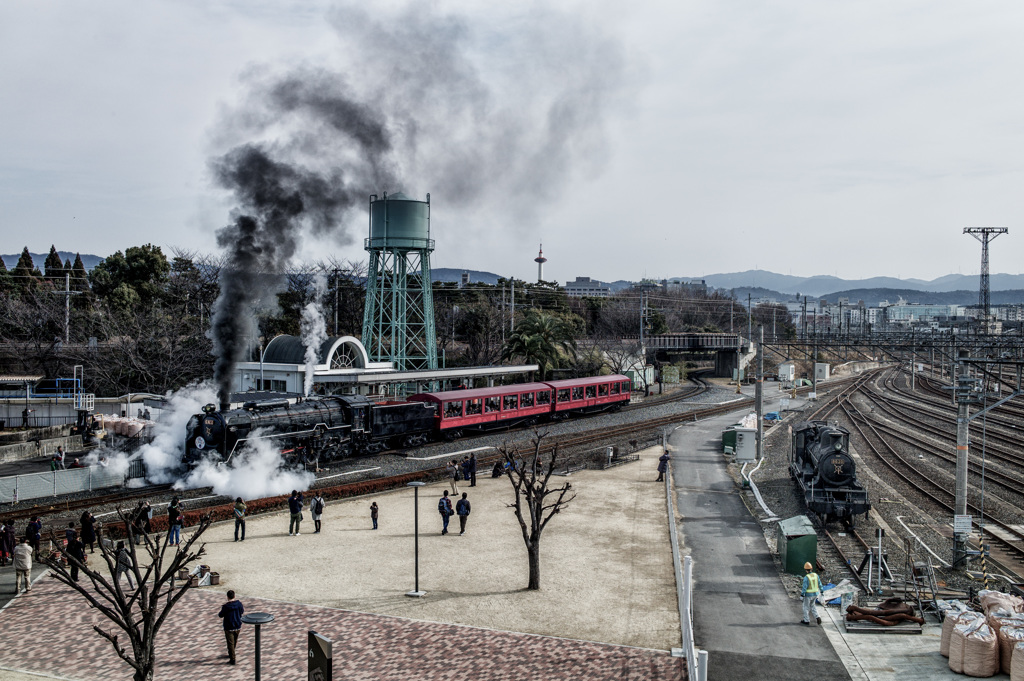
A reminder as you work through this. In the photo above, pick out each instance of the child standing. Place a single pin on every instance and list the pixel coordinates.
(373, 514)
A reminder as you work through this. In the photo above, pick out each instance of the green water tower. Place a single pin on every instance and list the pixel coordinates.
(398, 319)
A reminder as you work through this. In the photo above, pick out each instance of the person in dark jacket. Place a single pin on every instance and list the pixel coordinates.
(444, 507)
(295, 508)
(662, 466)
(88, 522)
(33, 534)
(472, 470)
(373, 514)
(231, 613)
(6, 542)
(76, 550)
(462, 509)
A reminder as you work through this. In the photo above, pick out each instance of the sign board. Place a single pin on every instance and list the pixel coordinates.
(320, 662)
(812, 396)
(784, 404)
(961, 524)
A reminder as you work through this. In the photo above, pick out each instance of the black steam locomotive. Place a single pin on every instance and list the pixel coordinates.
(315, 429)
(820, 463)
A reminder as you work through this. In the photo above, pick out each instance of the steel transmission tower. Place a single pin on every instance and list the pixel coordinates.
(984, 235)
(398, 320)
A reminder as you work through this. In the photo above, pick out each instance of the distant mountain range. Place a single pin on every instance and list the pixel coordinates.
(38, 259)
(823, 285)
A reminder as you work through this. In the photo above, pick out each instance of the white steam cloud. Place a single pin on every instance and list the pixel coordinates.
(314, 332)
(163, 455)
(254, 472)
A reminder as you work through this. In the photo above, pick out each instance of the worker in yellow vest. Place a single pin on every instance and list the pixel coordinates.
(811, 591)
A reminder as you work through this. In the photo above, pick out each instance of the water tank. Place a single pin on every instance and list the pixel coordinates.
(398, 222)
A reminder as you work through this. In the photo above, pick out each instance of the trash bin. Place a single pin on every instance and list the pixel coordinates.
(797, 543)
(729, 438)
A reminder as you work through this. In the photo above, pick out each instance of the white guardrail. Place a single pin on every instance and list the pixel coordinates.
(17, 488)
(696, 660)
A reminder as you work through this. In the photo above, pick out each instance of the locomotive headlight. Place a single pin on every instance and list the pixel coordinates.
(838, 446)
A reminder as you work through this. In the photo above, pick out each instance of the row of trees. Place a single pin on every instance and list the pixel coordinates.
(138, 321)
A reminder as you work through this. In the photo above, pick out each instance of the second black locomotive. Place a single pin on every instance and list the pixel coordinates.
(821, 464)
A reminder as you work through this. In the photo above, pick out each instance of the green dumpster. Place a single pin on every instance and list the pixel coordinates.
(798, 544)
(729, 438)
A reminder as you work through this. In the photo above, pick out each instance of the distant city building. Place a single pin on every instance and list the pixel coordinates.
(464, 280)
(585, 287)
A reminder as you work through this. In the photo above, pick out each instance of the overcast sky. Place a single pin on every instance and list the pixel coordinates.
(851, 139)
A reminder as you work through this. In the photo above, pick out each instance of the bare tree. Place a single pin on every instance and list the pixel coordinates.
(536, 501)
(139, 613)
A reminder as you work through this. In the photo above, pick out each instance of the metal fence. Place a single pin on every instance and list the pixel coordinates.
(18, 421)
(51, 483)
(696, 660)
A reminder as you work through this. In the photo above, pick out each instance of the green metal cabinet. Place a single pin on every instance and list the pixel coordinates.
(797, 543)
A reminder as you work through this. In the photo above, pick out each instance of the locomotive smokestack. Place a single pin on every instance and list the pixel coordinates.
(224, 406)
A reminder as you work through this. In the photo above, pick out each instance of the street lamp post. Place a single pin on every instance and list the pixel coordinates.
(416, 484)
(257, 619)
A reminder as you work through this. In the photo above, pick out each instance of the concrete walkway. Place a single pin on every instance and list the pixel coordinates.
(742, 614)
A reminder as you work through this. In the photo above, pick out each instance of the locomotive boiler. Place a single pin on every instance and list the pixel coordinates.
(311, 430)
(821, 464)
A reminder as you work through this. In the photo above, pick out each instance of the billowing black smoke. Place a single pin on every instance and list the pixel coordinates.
(492, 117)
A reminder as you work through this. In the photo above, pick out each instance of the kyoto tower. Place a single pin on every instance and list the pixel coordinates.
(540, 260)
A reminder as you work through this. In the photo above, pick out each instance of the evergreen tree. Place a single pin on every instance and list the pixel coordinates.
(26, 274)
(79, 277)
(53, 265)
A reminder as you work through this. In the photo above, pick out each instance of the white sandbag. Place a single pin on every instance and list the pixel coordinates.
(993, 601)
(953, 619)
(1017, 663)
(1008, 638)
(958, 641)
(981, 652)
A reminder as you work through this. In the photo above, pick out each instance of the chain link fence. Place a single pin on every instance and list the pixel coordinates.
(51, 483)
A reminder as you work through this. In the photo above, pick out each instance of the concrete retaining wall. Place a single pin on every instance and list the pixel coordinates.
(46, 447)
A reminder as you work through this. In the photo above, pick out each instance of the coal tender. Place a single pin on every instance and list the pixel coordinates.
(821, 464)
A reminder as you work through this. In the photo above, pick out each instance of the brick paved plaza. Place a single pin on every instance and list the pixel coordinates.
(43, 635)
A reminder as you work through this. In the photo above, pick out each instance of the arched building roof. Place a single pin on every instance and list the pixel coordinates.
(335, 353)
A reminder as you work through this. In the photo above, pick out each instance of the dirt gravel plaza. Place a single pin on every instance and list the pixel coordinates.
(606, 608)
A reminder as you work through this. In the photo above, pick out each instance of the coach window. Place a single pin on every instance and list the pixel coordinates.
(526, 400)
(511, 402)
(474, 407)
(492, 404)
(591, 392)
(453, 410)
(602, 390)
(544, 397)
(615, 388)
(563, 394)
(577, 393)
(625, 386)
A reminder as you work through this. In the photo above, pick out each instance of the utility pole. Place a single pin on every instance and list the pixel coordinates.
(963, 401)
(759, 396)
(67, 293)
(803, 321)
(512, 307)
(749, 319)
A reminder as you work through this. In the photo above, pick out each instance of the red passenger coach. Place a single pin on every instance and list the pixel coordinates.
(489, 408)
(588, 395)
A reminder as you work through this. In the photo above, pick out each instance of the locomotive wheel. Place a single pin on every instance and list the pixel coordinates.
(453, 435)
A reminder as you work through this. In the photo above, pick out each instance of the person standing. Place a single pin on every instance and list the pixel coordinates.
(59, 458)
(123, 564)
(174, 522)
(444, 507)
(462, 509)
(373, 514)
(76, 555)
(33, 534)
(472, 469)
(239, 518)
(317, 509)
(453, 475)
(23, 565)
(295, 508)
(810, 593)
(88, 522)
(231, 613)
(662, 466)
(6, 542)
(465, 468)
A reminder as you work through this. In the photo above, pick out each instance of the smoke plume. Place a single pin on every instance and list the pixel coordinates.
(314, 332)
(492, 113)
